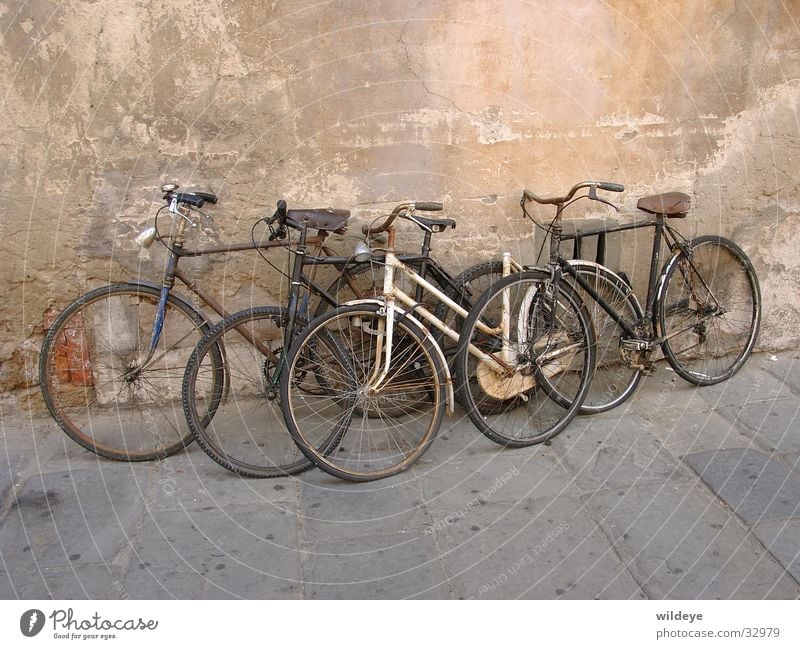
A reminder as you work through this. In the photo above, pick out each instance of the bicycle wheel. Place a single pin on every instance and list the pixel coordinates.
(613, 380)
(709, 310)
(546, 342)
(99, 384)
(359, 429)
(366, 281)
(247, 435)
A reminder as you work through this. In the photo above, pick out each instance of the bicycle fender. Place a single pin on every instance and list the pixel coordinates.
(660, 288)
(617, 279)
(410, 316)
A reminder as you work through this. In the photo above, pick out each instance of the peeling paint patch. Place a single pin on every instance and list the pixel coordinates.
(492, 129)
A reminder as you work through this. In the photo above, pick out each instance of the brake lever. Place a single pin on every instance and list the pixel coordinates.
(593, 196)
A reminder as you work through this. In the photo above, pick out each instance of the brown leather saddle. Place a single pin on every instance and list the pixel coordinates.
(671, 204)
(325, 218)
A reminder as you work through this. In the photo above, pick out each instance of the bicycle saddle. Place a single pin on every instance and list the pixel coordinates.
(671, 204)
(434, 225)
(325, 218)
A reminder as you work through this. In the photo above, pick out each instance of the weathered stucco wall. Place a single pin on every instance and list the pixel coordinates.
(362, 104)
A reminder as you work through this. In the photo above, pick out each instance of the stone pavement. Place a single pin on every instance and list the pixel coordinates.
(680, 493)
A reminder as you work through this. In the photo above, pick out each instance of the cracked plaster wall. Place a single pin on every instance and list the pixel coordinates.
(363, 104)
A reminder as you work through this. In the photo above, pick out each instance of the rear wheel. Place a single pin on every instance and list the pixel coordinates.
(709, 310)
(247, 435)
(104, 388)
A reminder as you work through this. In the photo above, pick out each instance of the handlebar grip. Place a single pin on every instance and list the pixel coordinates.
(208, 197)
(190, 198)
(429, 206)
(611, 187)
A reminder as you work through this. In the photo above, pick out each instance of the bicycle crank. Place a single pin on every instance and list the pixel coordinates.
(502, 387)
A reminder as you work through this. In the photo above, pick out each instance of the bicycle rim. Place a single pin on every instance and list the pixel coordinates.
(545, 337)
(613, 381)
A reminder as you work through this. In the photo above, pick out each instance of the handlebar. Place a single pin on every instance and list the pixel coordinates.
(423, 206)
(528, 195)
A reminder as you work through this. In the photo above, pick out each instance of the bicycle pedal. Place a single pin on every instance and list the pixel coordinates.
(635, 344)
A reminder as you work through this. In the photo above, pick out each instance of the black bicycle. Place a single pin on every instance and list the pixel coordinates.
(703, 308)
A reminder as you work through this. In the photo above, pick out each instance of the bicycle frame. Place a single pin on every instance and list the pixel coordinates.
(392, 294)
(172, 272)
(677, 244)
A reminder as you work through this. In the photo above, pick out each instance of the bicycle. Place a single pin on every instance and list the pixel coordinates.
(386, 382)
(703, 309)
(112, 363)
(247, 435)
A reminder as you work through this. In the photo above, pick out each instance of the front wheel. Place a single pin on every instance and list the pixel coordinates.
(708, 310)
(105, 388)
(534, 342)
(363, 424)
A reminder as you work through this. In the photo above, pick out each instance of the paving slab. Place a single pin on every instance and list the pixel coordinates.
(397, 566)
(774, 421)
(60, 518)
(755, 485)
(696, 432)
(515, 474)
(536, 549)
(792, 460)
(10, 464)
(626, 453)
(784, 366)
(332, 509)
(680, 542)
(782, 539)
(191, 480)
(237, 552)
(756, 385)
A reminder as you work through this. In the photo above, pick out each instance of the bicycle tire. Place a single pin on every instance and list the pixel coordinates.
(247, 435)
(713, 273)
(88, 351)
(563, 337)
(339, 430)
